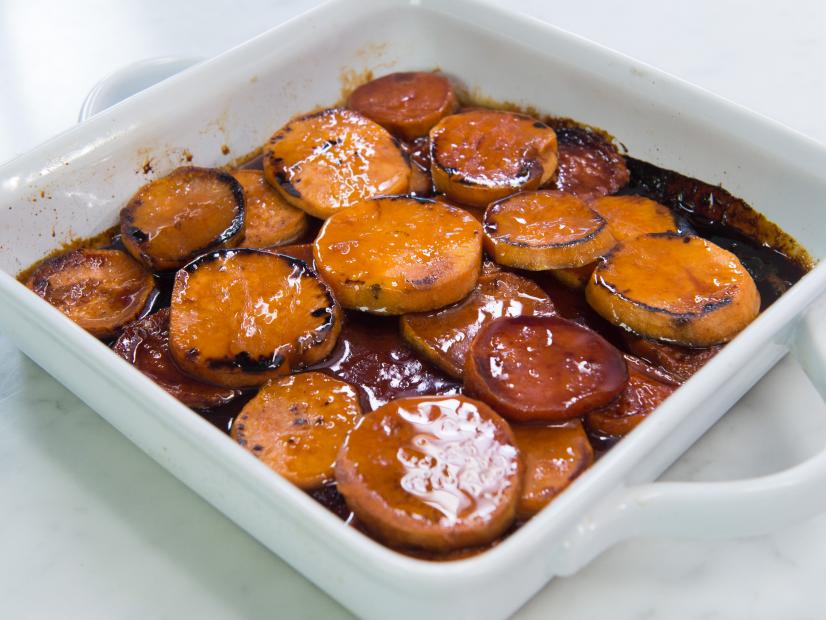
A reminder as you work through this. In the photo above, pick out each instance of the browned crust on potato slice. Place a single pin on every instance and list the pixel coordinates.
(630, 216)
(399, 254)
(438, 473)
(270, 220)
(171, 220)
(681, 289)
(407, 104)
(679, 362)
(444, 336)
(296, 425)
(330, 160)
(100, 290)
(646, 389)
(543, 369)
(545, 230)
(145, 345)
(554, 456)
(241, 317)
(478, 156)
(589, 165)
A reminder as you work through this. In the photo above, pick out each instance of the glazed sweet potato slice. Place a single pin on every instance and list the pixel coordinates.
(554, 456)
(543, 369)
(679, 362)
(330, 160)
(297, 425)
(301, 251)
(171, 220)
(270, 220)
(437, 473)
(545, 230)
(589, 165)
(241, 317)
(647, 387)
(479, 156)
(444, 336)
(630, 216)
(575, 277)
(100, 290)
(145, 345)
(681, 289)
(399, 254)
(407, 104)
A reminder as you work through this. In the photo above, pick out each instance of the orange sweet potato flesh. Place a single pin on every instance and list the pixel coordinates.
(241, 317)
(478, 156)
(100, 290)
(554, 456)
(297, 425)
(171, 220)
(444, 336)
(270, 220)
(545, 229)
(407, 104)
(435, 472)
(681, 289)
(330, 160)
(399, 254)
(543, 369)
(145, 345)
(630, 216)
(679, 362)
(646, 389)
(574, 277)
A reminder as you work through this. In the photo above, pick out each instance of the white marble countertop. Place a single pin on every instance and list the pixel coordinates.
(92, 528)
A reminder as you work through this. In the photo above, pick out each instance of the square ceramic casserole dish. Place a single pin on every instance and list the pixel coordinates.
(74, 186)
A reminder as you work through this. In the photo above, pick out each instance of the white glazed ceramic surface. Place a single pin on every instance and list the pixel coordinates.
(240, 98)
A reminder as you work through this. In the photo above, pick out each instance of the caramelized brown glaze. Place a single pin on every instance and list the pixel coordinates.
(406, 104)
(270, 220)
(589, 164)
(478, 156)
(698, 295)
(100, 290)
(399, 254)
(543, 369)
(171, 220)
(371, 355)
(545, 230)
(436, 473)
(297, 424)
(679, 362)
(241, 317)
(333, 159)
(145, 345)
(647, 387)
(444, 336)
(554, 456)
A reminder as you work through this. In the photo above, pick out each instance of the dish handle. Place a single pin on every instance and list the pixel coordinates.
(715, 510)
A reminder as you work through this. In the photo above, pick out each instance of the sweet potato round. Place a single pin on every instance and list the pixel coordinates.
(545, 230)
(270, 220)
(543, 369)
(241, 317)
(297, 425)
(680, 289)
(630, 216)
(435, 472)
(479, 156)
(100, 290)
(330, 160)
(399, 254)
(171, 220)
(589, 165)
(407, 104)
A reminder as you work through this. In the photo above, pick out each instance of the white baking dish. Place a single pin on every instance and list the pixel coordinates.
(75, 184)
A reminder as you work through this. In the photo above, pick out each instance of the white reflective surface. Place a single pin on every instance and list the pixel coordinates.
(94, 529)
